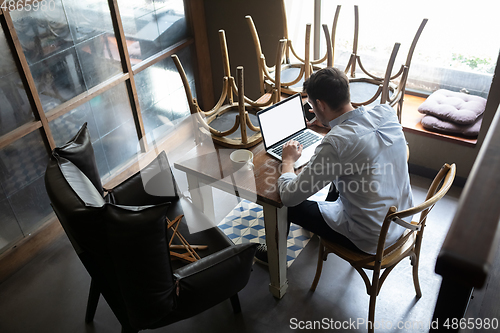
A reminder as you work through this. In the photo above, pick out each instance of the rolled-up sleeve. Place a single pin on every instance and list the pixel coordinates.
(318, 173)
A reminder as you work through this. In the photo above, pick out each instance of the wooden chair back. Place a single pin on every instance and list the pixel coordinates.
(438, 188)
(302, 67)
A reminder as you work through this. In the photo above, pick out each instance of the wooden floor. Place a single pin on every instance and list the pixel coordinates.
(50, 293)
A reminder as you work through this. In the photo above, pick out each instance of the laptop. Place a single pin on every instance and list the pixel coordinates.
(284, 121)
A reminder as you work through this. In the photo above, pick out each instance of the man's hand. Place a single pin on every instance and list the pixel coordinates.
(316, 122)
(292, 150)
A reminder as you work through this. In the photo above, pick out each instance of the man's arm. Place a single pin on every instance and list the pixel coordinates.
(317, 174)
(292, 150)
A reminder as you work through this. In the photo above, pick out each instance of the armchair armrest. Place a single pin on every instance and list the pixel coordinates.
(213, 279)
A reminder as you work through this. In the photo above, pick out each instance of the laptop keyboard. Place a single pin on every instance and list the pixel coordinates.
(305, 138)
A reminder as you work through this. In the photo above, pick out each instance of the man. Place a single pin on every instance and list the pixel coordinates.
(363, 157)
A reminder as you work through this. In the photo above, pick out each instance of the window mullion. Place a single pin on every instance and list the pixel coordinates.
(27, 78)
(317, 27)
(127, 68)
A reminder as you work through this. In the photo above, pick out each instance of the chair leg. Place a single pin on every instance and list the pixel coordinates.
(94, 294)
(415, 277)
(373, 299)
(235, 302)
(371, 311)
(319, 267)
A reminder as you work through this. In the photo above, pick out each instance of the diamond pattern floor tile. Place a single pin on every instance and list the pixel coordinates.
(245, 223)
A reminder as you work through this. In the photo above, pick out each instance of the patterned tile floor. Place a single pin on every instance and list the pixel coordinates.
(245, 223)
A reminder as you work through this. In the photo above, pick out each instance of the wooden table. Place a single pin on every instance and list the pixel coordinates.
(205, 165)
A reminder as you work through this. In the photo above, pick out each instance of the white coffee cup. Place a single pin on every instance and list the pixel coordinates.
(242, 158)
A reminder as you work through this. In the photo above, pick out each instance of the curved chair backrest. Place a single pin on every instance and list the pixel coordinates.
(414, 42)
(383, 86)
(390, 65)
(305, 63)
(438, 188)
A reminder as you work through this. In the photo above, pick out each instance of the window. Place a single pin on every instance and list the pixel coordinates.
(453, 52)
(74, 72)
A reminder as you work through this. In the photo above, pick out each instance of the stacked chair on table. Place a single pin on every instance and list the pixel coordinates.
(122, 239)
(292, 70)
(368, 88)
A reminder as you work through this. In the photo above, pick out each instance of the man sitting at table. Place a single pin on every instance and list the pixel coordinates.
(364, 160)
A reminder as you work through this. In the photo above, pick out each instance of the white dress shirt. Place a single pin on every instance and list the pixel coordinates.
(364, 155)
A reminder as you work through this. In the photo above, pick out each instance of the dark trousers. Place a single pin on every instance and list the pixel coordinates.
(308, 216)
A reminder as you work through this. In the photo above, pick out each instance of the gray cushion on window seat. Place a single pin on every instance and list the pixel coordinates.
(434, 124)
(455, 107)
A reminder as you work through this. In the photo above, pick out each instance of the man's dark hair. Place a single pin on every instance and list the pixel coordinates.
(330, 85)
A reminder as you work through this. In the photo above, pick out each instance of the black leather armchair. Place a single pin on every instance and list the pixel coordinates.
(121, 239)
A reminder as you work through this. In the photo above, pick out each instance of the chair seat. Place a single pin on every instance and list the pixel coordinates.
(213, 238)
(289, 73)
(225, 121)
(363, 89)
(354, 256)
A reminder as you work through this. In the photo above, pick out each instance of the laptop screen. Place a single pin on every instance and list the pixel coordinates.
(281, 120)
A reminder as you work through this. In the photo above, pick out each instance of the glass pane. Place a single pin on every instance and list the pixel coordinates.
(111, 125)
(58, 78)
(65, 127)
(150, 84)
(450, 53)
(100, 158)
(94, 38)
(99, 59)
(15, 109)
(23, 162)
(42, 32)
(115, 127)
(111, 109)
(171, 21)
(70, 47)
(152, 26)
(22, 166)
(300, 13)
(141, 32)
(161, 93)
(88, 19)
(31, 205)
(9, 228)
(120, 145)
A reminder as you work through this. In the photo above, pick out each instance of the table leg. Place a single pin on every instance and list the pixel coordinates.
(201, 195)
(276, 238)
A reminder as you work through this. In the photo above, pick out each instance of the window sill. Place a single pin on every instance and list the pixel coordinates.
(411, 123)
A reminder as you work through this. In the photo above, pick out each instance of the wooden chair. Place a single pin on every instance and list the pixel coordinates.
(292, 73)
(397, 82)
(383, 87)
(243, 107)
(387, 258)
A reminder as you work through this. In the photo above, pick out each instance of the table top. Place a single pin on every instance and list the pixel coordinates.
(211, 164)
